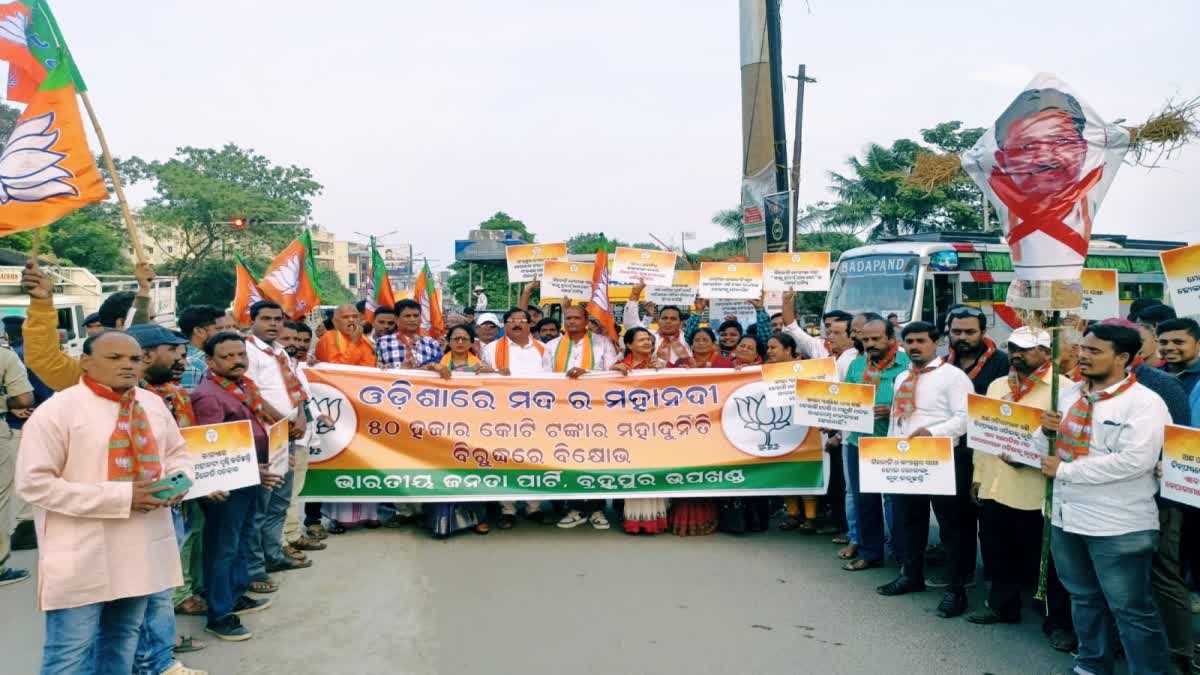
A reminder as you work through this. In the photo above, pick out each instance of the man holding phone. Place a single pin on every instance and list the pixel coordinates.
(90, 457)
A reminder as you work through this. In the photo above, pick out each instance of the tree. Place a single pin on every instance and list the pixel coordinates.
(874, 198)
(731, 220)
(587, 243)
(200, 190)
(493, 276)
(333, 291)
(209, 282)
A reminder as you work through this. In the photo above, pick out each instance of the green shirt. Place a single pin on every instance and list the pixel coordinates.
(883, 390)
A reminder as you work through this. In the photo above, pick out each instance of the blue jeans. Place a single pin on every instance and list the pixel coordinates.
(1109, 580)
(851, 496)
(868, 510)
(228, 531)
(266, 546)
(96, 639)
(156, 639)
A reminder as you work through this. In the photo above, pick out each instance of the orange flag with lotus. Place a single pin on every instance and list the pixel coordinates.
(247, 293)
(599, 307)
(289, 280)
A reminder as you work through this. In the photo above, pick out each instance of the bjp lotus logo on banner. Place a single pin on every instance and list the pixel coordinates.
(757, 428)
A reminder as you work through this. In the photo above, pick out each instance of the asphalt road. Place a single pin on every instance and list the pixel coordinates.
(541, 600)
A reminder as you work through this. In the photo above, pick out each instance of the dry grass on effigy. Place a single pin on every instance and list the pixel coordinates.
(931, 172)
(1165, 133)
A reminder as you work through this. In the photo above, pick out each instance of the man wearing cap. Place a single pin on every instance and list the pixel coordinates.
(481, 299)
(164, 362)
(487, 328)
(1010, 495)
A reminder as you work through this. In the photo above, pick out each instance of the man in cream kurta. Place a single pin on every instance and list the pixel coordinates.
(104, 545)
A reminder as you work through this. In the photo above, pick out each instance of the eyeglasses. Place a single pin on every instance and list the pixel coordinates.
(460, 338)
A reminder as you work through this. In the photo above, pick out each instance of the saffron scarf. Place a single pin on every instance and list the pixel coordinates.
(502, 351)
(671, 348)
(906, 396)
(874, 372)
(132, 450)
(247, 393)
(1075, 432)
(988, 352)
(177, 399)
(290, 381)
(1019, 386)
(472, 362)
(562, 354)
(640, 365)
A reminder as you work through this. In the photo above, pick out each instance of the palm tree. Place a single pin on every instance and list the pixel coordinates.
(731, 220)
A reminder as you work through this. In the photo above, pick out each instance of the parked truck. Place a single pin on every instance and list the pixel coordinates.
(79, 292)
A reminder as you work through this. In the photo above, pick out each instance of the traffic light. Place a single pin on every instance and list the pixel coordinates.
(238, 223)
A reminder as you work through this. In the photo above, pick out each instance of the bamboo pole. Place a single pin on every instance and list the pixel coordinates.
(1054, 326)
(126, 215)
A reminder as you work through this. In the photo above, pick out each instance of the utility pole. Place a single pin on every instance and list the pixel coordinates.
(801, 79)
(779, 126)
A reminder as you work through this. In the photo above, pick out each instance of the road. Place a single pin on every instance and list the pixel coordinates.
(540, 600)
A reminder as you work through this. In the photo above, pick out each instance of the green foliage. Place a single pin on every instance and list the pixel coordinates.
(731, 221)
(91, 237)
(200, 190)
(874, 199)
(209, 282)
(721, 250)
(333, 292)
(587, 243)
(502, 221)
(464, 277)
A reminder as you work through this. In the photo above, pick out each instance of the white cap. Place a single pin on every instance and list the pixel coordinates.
(1025, 338)
(487, 317)
(478, 288)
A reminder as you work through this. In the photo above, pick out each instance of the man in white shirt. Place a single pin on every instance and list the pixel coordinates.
(809, 346)
(576, 352)
(481, 299)
(930, 399)
(271, 369)
(669, 342)
(517, 353)
(1104, 517)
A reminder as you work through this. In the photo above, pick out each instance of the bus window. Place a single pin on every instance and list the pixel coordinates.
(997, 261)
(886, 284)
(943, 293)
(66, 322)
(1133, 291)
(928, 305)
(974, 291)
(969, 262)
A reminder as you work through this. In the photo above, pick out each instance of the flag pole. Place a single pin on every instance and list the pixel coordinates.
(126, 215)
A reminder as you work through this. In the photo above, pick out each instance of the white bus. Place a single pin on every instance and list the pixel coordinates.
(919, 277)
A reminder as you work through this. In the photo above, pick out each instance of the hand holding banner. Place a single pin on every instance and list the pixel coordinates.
(1005, 429)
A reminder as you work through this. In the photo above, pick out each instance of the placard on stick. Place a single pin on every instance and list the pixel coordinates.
(526, 261)
(571, 280)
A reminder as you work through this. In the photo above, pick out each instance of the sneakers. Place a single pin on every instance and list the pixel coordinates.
(178, 668)
(229, 629)
(9, 575)
(247, 605)
(598, 521)
(572, 519)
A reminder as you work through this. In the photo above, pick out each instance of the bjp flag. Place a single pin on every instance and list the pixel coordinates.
(599, 308)
(247, 293)
(291, 279)
(379, 286)
(427, 294)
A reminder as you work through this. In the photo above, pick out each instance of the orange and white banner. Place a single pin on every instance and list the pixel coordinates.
(836, 405)
(681, 292)
(570, 280)
(653, 268)
(1181, 465)
(801, 271)
(781, 377)
(223, 457)
(1004, 428)
(1100, 298)
(526, 261)
(1182, 269)
(731, 281)
(412, 436)
(914, 466)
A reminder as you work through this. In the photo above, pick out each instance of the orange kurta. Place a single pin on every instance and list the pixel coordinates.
(333, 347)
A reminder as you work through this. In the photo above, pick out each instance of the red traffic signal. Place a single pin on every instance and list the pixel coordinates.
(238, 223)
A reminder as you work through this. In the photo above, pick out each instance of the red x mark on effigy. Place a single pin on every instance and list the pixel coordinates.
(1045, 213)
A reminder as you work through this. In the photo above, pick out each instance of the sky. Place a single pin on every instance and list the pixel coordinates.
(618, 116)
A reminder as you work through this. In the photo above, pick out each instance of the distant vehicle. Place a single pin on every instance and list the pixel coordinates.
(920, 277)
(78, 292)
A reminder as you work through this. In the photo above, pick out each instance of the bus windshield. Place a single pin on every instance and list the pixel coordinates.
(885, 284)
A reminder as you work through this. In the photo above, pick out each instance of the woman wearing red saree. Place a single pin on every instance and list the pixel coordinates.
(648, 515)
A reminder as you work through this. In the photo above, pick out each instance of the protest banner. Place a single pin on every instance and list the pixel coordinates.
(1181, 465)
(913, 466)
(413, 436)
(1182, 269)
(808, 271)
(781, 377)
(631, 265)
(835, 405)
(571, 280)
(1005, 428)
(1100, 298)
(223, 457)
(740, 310)
(277, 447)
(731, 281)
(681, 292)
(526, 261)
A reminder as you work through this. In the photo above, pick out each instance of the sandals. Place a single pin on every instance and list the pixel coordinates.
(291, 564)
(482, 528)
(336, 528)
(849, 552)
(193, 606)
(317, 532)
(598, 521)
(263, 586)
(291, 552)
(859, 565)
(187, 644)
(306, 544)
